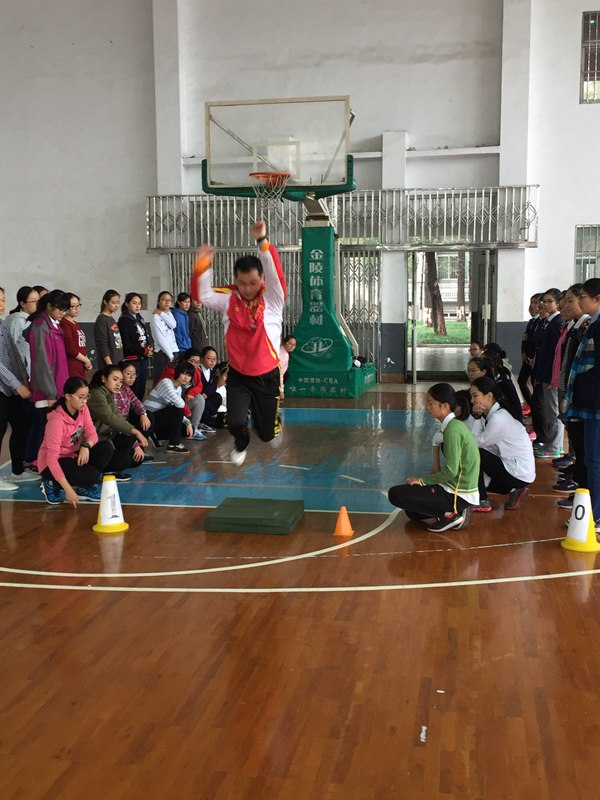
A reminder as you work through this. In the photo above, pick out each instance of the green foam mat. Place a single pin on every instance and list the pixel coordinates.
(249, 515)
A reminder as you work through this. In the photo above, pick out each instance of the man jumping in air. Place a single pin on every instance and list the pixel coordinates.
(252, 311)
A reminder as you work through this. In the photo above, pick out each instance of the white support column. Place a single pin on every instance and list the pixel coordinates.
(168, 96)
(394, 302)
(513, 294)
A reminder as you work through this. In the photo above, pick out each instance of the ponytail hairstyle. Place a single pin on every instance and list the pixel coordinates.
(496, 354)
(104, 372)
(22, 296)
(56, 298)
(489, 386)
(463, 402)
(128, 298)
(484, 363)
(443, 393)
(555, 293)
(72, 384)
(108, 295)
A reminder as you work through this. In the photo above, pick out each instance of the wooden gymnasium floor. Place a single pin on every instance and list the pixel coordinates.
(396, 664)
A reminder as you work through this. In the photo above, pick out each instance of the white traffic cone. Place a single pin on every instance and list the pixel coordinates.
(110, 513)
(581, 535)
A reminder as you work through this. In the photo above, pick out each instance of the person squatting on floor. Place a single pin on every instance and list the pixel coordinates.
(252, 311)
(507, 461)
(71, 459)
(448, 495)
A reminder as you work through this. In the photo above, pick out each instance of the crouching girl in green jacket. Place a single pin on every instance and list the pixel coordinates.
(448, 495)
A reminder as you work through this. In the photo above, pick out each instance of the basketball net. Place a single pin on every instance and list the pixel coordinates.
(269, 188)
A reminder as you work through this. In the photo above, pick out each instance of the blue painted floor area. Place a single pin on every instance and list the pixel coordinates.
(328, 458)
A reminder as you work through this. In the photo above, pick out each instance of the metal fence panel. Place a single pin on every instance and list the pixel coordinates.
(360, 272)
(405, 219)
(587, 252)
(366, 222)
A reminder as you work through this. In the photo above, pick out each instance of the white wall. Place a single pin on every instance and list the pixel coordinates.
(564, 142)
(77, 146)
(548, 138)
(430, 68)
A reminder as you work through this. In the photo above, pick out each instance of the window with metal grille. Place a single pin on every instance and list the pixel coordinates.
(590, 58)
(587, 252)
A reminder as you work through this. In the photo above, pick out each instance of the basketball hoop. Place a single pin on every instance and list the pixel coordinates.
(269, 187)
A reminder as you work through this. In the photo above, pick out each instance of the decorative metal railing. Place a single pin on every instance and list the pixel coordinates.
(404, 219)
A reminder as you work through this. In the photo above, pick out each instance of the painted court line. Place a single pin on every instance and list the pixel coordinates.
(180, 505)
(208, 570)
(350, 478)
(290, 466)
(304, 589)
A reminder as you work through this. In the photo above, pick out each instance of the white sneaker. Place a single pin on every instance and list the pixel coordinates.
(7, 486)
(238, 456)
(275, 442)
(25, 477)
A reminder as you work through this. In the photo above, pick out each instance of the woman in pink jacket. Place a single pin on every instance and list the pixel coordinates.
(71, 460)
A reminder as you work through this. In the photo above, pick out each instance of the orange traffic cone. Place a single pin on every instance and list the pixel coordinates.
(343, 526)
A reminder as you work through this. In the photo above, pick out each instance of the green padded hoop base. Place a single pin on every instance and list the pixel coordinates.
(249, 515)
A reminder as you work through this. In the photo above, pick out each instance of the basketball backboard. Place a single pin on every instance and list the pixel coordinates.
(306, 137)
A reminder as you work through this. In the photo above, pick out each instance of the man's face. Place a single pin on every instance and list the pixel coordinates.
(248, 284)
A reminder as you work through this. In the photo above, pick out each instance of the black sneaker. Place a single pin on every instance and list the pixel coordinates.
(122, 477)
(516, 497)
(177, 448)
(147, 459)
(447, 523)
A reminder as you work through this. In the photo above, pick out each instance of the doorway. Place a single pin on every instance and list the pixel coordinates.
(451, 303)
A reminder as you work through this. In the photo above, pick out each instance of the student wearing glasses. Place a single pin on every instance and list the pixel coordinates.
(75, 343)
(484, 367)
(71, 460)
(582, 397)
(27, 300)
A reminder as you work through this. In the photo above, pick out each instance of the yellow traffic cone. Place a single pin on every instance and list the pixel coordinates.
(581, 535)
(343, 526)
(110, 513)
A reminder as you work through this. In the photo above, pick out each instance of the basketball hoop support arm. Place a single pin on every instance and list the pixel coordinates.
(316, 209)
